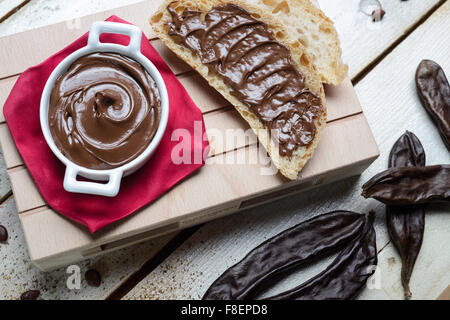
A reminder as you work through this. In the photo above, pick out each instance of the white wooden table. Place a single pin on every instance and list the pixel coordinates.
(382, 58)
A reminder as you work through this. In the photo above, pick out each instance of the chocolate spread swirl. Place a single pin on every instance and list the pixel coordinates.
(256, 66)
(104, 111)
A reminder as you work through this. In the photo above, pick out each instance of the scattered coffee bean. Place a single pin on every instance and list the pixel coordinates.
(434, 92)
(93, 278)
(3, 234)
(30, 295)
(377, 15)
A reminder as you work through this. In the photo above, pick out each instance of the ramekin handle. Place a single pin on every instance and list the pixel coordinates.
(99, 27)
(110, 189)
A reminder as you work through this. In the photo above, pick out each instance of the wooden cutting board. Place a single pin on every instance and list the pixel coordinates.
(222, 187)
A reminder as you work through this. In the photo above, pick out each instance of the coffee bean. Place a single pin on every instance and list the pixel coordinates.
(30, 295)
(93, 278)
(3, 234)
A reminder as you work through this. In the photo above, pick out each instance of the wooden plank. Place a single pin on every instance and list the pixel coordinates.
(31, 42)
(205, 97)
(390, 102)
(29, 202)
(362, 40)
(370, 42)
(8, 5)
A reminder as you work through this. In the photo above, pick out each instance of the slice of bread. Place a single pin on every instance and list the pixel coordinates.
(288, 166)
(315, 31)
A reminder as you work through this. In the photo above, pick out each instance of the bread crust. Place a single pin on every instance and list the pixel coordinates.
(288, 166)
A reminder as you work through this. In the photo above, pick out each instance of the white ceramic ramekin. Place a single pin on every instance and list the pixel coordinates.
(113, 176)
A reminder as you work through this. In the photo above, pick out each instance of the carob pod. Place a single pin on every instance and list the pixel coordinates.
(345, 276)
(290, 248)
(410, 185)
(434, 91)
(406, 224)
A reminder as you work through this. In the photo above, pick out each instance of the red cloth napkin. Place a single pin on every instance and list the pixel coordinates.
(158, 175)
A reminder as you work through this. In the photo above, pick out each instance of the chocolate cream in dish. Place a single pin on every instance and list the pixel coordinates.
(248, 51)
(104, 111)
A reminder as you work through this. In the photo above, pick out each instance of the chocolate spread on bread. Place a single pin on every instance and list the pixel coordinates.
(256, 66)
(104, 111)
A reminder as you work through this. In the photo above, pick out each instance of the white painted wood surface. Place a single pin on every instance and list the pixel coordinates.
(40, 13)
(222, 237)
(389, 99)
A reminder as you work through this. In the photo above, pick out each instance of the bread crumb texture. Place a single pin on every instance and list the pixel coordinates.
(315, 50)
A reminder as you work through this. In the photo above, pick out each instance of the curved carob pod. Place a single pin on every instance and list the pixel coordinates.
(345, 276)
(434, 92)
(406, 224)
(410, 185)
(290, 248)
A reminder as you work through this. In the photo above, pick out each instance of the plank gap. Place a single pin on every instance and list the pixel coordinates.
(361, 75)
(14, 10)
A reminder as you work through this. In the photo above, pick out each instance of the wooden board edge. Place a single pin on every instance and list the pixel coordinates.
(90, 244)
(52, 262)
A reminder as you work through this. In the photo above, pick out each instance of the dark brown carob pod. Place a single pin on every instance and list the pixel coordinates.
(290, 248)
(410, 185)
(434, 92)
(406, 224)
(345, 276)
(3, 234)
